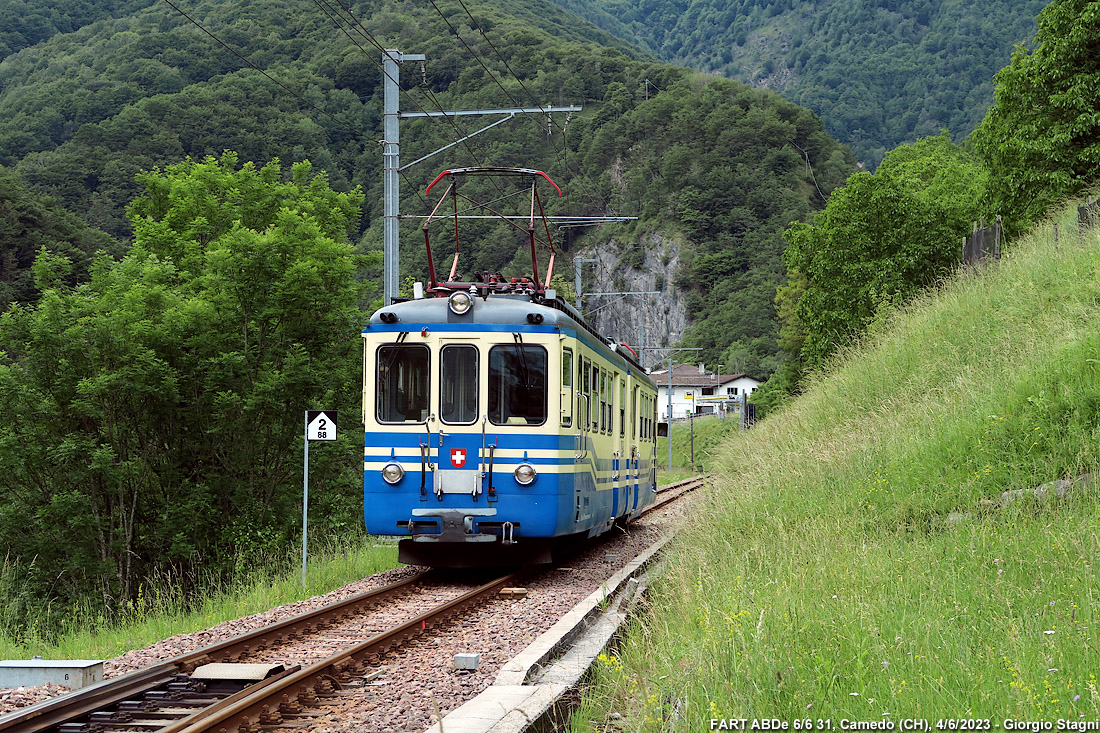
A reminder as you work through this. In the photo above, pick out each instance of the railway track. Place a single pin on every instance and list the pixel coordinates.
(280, 675)
(230, 684)
(671, 492)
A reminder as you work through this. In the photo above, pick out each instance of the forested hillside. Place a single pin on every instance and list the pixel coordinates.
(878, 72)
(82, 113)
(165, 390)
(30, 223)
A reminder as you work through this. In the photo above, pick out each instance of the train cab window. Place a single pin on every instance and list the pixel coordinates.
(566, 388)
(402, 394)
(517, 385)
(458, 384)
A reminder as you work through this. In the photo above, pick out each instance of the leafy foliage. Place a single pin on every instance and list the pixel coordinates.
(725, 162)
(879, 241)
(879, 72)
(30, 224)
(1041, 139)
(24, 24)
(701, 159)
(152, 412)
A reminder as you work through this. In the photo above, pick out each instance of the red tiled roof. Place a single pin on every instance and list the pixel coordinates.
(688, 375)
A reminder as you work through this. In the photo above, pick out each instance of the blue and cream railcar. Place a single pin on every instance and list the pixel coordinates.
(498, 426)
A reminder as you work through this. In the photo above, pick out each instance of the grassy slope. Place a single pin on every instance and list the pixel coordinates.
(711, 434)
(832, 574)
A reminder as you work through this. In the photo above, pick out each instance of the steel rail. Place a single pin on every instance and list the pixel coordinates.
(258, 639)
(316, 680)
(301, 683)
(685, 486)
(54, 712)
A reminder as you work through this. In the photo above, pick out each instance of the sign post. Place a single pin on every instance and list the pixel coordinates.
(320, 425)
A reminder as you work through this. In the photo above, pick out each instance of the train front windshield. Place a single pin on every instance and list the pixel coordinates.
(517, 385)
(403, 378)
(458, 384)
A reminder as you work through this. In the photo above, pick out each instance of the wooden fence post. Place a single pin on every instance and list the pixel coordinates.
(997, 235)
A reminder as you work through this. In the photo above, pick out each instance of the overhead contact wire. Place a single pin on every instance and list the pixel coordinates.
(233, 51)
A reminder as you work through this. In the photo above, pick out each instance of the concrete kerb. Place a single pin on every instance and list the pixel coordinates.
(533, 681)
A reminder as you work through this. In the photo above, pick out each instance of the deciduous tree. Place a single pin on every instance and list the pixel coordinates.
(1041, 140)
(154, 413)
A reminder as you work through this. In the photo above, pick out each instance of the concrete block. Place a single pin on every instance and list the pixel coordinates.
(72, 673)
(467, 661)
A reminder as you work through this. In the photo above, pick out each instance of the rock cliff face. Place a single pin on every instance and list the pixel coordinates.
(638, 320)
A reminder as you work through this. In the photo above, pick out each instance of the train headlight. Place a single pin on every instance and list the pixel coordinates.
(525, 474)
(460, 303)
(392, 473)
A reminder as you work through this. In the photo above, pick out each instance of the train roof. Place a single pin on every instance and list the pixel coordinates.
(496, 310)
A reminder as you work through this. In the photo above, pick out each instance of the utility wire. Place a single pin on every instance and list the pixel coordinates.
(565, 146)
(233, 51)
(358, 26)
(564, 150)
(229, 48)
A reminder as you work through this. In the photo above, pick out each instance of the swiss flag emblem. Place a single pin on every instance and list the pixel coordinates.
(458, 458)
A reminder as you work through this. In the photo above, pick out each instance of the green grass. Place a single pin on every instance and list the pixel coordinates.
(161, 610)
(854, 560)
(710, 434)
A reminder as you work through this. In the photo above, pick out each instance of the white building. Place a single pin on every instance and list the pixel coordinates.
(696, 390)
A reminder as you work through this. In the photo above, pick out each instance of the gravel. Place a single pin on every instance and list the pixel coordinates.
(417, 683)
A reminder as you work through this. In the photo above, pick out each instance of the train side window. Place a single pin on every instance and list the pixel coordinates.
(650, 427)
(517, 385)
(652, 422)
(595, 401)
(585, 409)
(566, 388)
(603, 401)
(597, 398)
(634, 413)
(403, 379)
(611, 402)
(609, 387)
(622, 409)
(458, 384)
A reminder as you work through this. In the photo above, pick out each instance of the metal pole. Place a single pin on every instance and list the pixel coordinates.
(305, 494)
(391, 158)
(670, 411)
(691, 420)
(578, 263)
(391, 185)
